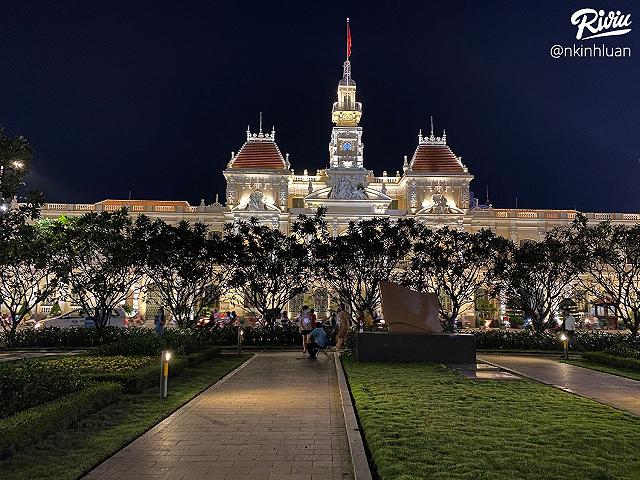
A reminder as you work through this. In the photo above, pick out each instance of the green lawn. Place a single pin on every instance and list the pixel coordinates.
(74, 451)
(423, 421)
(622, 372)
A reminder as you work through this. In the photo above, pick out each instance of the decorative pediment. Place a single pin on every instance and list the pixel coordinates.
(256, 203)
(366, 200)
(440, 206)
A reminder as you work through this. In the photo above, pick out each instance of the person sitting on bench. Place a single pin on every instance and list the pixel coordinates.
(317, 339)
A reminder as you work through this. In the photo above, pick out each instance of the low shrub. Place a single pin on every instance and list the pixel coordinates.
(144, 341)
(625, 350)
(27, 383)
(34, 423)
(134, 373)
(613, 360)
(55, 337)
(583, 341)
(91, 364)
(149, 345)
(202, 356)
(136, 381)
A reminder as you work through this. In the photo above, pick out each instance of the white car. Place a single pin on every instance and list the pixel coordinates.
(80, 318)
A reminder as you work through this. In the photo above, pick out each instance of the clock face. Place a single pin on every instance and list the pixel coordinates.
(347, 146)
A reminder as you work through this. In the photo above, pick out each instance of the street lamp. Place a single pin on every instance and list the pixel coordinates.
(16, 165)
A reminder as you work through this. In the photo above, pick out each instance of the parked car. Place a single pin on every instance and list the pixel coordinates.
(80, 318)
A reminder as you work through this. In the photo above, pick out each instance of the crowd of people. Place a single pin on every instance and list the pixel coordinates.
(316, 334)
(314, 331)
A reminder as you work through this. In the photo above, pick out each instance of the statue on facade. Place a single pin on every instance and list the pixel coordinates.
(346, 189)
(256, 202)
(439, 204)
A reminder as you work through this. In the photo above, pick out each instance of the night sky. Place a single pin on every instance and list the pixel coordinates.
(152, 97)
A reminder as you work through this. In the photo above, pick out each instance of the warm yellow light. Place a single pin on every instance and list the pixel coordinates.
(563, 337)
(167, 356)
(17, 164)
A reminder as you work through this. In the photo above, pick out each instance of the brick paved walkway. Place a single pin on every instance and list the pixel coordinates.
(278, 418)
(619, 392)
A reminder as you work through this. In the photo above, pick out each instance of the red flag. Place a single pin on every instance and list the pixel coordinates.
(348, 40)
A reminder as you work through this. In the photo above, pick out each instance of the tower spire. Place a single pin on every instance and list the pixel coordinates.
(261, 123)
(432, 125)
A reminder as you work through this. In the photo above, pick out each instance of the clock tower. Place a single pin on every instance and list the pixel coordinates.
(346, 148)
(346, 174)
(347, 180)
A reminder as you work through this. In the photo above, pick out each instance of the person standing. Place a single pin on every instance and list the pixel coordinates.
(360, 321)
(160, 321)
(305, 325)
(344, 322)
(569, 326)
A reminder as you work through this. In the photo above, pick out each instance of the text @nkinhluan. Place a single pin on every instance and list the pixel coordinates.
(589, 51)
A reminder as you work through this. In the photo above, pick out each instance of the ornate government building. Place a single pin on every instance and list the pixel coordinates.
(433, 187)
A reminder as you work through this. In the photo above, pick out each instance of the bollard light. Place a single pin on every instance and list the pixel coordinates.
(240, 339)
(565, 345)
(165, 356)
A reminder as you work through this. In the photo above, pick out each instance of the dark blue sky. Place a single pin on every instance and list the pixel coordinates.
(153, 96)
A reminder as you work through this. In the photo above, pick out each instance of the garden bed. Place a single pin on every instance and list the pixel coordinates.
(72, 452)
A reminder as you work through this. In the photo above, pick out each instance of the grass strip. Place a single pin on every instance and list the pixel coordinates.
(75, 450)
(424, 421)
(619, 371)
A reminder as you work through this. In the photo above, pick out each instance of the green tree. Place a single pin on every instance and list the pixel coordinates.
(609, 257)
(103, 261)
(15, 162)
(455, 264)
(269, 267)
(30, 269)
(354, 263)
(538, 276)
(485, 310)
(188, 265)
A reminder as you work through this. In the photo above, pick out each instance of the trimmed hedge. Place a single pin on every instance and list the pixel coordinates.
(613, 360)
(55, 337)
(583, 341)
(144, 341)
(205, 355)
(30, 382)
(30, 425)
(135, 381)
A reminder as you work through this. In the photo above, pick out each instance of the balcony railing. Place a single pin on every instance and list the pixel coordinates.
(347, 107)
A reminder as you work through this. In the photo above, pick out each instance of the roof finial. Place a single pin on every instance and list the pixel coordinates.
(432, 125)
(260, 122)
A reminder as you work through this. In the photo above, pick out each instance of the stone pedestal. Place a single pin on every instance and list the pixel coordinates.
(456, 350)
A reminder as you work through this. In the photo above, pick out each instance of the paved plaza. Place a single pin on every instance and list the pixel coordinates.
(619, 392)
(278, 417)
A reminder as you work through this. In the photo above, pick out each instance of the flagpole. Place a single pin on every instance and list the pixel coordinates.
(347, 43)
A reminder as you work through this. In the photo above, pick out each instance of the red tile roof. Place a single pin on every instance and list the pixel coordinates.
(259, 155)
(436, 159)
